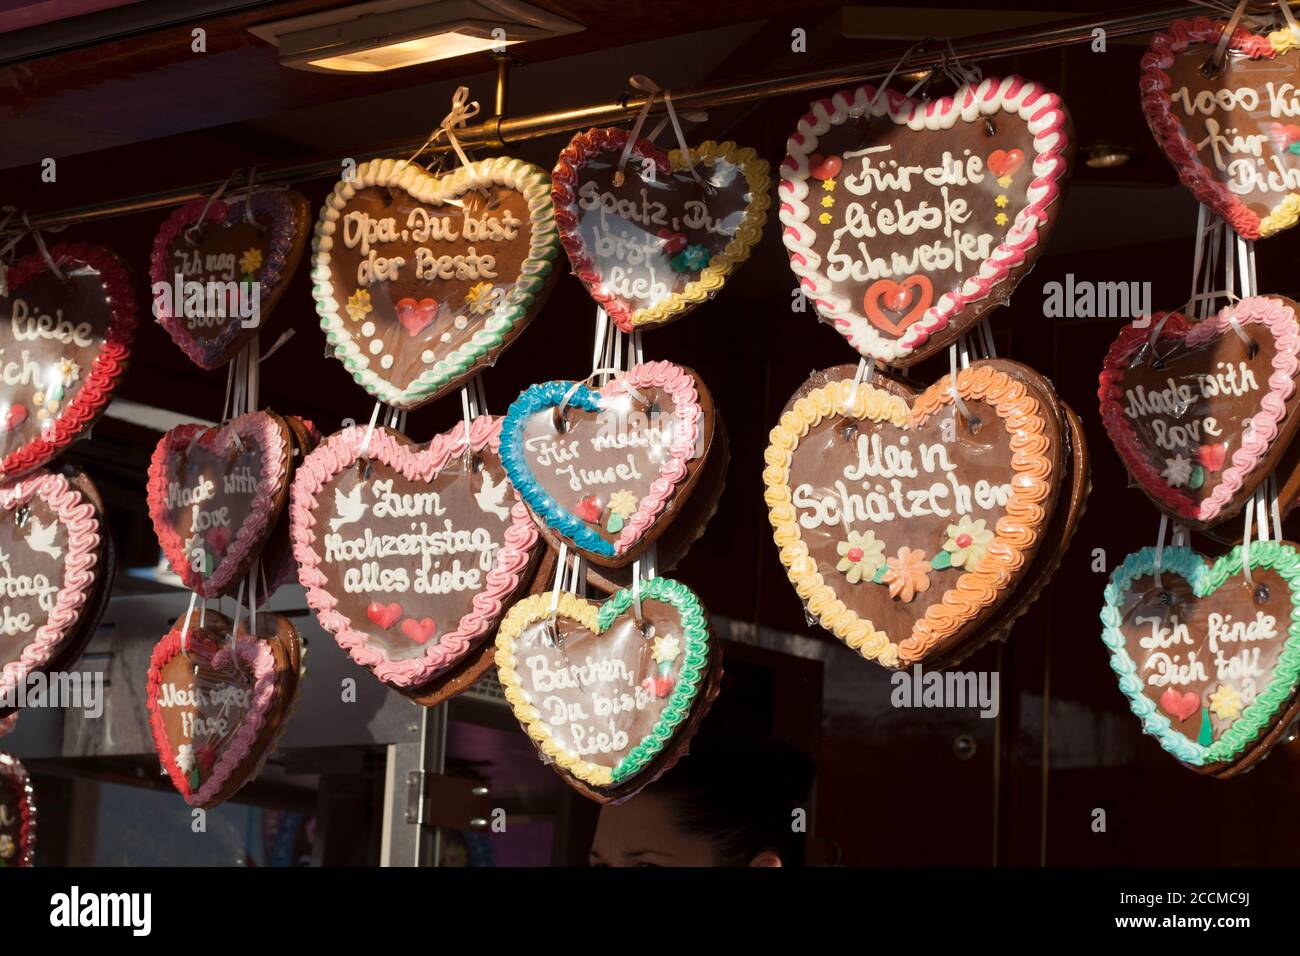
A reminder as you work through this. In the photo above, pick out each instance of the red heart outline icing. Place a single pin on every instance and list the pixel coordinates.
(110, 361)
(882, 288)
(81, 522)
(257, 427)
(256, 656)
(1157, 106)
(341, 451)
(14, 776)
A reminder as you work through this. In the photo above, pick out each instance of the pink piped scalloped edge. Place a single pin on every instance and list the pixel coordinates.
(110, 360)
(1168, 131)
(678, 383)
(1272, 314)
(78, 516)
(798, 236)
(254, 653)
(341, 451)
(253, 426)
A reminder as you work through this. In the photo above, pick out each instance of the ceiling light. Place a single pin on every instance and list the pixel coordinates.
(390, 34)
(1107, 156)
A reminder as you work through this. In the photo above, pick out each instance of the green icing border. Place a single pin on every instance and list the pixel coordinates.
(544, 249)
(695, 659)
(1205, 580)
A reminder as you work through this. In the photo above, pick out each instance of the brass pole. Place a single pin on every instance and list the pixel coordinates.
(499, 130)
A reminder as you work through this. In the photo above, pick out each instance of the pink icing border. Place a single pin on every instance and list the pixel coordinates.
(252, 651)
(1281, 322)
(680, 384)
(260, 427)
(798, 236)
(77, 515)
(1168, 130)
(341, 451)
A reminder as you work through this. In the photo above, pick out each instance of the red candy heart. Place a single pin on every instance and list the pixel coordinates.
(673, 241)
(16, 415)
(1004, 162)
(589, 508)
(1179, 705)
(385, 615)
(219, 538)
(420, 631)
(824, 167)
(416, 316)
(1211, 456)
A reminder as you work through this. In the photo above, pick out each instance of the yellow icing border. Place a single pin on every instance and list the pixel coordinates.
(530, 611)
(748, 233)
(1287, 212)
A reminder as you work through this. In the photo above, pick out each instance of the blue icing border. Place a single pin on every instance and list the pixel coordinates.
(536, 399)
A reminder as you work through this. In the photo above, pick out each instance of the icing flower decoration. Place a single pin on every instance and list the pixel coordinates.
(824, 219)
(908, 574)
(250, 261)
(185, 758)
(666, 649)
(359, 305)
(1000, 202)
(967, 541)
(1225, 702)
(7, 848)
(1004, 181)
(622, 503)
(1001, 219)
(861, 556)
(481, 298)
(691, 259)
(828, 201)
(69, 371)
(828, 185)
(1178, 471)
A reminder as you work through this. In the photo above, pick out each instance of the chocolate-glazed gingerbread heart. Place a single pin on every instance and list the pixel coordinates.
(422, 280)
(218, 700)
(655, 236)
(215, 495)
(64, 342)
(606, 469)
(410, 555)
(219, 268)
(908, 220)
(905, 521)
(52, 538)
(605, 697)
(1229, 129)
(1209, 660)
(1201, 412)
(17, 814)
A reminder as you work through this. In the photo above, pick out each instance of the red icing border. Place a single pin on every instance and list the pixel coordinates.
(110, 362)
(1168, 131)
(12, 768)
(254, 426)
(340, 452)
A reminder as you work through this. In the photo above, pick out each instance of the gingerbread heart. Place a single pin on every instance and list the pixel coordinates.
(410, 555)
(1208, 660)
(917, 197)
(64, 344)
(1199, 413)
(655, 243)
(902, 523)
(607, 700)
(1230, 133)
(218, 698)
(422, 280)
(215, 494)
(17, 814)
(219, 268)
(606, 469)
(51, 541)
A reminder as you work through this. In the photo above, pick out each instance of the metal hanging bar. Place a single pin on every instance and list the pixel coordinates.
(500, 131)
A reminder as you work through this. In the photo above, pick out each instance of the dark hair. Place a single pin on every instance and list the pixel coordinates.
(741, 799)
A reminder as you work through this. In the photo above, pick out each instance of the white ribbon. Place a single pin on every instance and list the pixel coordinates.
(462, 110)
(952, 378)
(646, 85)
(1228, 30)
(45, 253)
(193, 227)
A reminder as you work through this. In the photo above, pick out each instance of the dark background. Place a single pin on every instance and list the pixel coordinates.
(140, 112)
